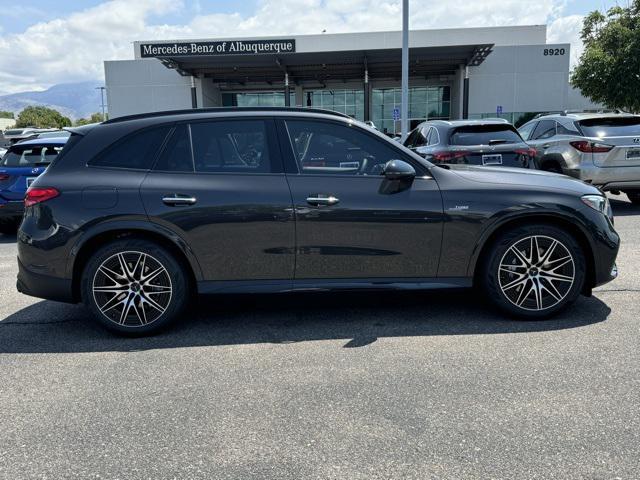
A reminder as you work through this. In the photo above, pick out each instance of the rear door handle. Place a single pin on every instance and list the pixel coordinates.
(317, 199)
(177, 199)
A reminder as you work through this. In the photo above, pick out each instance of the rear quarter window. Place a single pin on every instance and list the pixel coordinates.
(135, 151)
(484, 135)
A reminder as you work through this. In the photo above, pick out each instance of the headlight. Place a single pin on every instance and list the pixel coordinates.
(599, 203)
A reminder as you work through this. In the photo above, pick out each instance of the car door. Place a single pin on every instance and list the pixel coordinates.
(351, 222)
(220, 185)
(542, 137)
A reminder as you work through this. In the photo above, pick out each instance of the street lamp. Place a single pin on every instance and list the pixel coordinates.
(404, 108)
(102, 89)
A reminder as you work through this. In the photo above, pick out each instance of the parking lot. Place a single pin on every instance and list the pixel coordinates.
(327, 386)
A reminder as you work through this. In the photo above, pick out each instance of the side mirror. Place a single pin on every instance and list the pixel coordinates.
(398, 170)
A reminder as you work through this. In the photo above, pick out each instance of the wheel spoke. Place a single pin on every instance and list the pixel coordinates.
(111, 289)
(522, 297)
(537, 292)
(145, 280)
(152, 302)
(125, 310)
(111, 303)
(520, 256)
(557, 263)
(534, 251)
(556, 276)
(547, 255)
(520, 280)
(110, 274)
(551, 288)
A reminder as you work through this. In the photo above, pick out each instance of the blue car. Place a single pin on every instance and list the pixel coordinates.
(19, 167)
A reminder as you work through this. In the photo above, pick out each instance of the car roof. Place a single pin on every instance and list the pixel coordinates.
(582, 115)
(464, 123)
(44, 142)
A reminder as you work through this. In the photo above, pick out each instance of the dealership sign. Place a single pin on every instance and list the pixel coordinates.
(235, 47)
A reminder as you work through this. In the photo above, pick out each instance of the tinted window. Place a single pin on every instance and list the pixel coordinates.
(611, 127)
(176, 155)
(329, 148)
(484, 135)
(568, 129)
(239, 146)
(137, 151)
(545, 129)
(434, 136)
(526, 130)
(417, 138)
(30, 156)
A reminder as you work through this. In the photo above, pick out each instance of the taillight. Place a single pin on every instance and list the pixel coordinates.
(3, 176)
(591, 147)
(446, 156)
(38, 195)
(529, 152)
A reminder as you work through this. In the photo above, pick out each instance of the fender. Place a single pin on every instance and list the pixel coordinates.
(140, 223)
(502, 218)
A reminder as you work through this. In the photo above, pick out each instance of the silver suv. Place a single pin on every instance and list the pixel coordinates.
(599, 148)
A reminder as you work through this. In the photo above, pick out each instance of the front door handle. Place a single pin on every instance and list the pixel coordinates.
(317, 200)
(177, 199)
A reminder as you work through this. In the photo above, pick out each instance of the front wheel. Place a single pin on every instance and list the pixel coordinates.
(134, 287)
(534, 271)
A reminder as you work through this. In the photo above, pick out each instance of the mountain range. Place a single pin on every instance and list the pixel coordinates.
(73, 100)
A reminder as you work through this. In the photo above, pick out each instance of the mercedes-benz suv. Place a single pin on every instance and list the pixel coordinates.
(139, 213)
(602, 149)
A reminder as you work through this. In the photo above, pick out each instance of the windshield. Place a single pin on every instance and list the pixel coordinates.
(484, 135)
(30, 156)
(611, 127)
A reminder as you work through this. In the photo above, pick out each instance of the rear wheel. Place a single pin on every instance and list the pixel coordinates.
(552, 167)
(634, 196)
(534, 271)
(134, 287)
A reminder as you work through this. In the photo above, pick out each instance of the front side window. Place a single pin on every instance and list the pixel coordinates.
(136, 151)
(545, 129)
(526, 130)
(238, 146)
(330, 148)
(30, 156)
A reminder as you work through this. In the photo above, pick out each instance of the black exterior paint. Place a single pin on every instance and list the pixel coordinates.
(256, 232)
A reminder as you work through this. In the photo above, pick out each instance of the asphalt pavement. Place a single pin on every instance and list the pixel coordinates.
(349, 386)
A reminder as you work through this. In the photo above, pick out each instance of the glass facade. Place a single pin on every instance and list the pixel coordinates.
(255, 99)
(425, 103)
(350, 102)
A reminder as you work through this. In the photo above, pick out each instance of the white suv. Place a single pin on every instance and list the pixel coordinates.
(599, 148)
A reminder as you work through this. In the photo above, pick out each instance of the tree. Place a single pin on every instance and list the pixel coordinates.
(42, 117)
(6, 114)
(609, 68)
(94, 118)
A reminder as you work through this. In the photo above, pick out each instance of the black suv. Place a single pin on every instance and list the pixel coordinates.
(471, 142)
(138, 213)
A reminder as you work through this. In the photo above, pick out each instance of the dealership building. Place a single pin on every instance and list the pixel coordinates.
(453, 73)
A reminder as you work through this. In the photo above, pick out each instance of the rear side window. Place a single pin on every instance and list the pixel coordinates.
(30, 156)
(484, 135)
(237, 146)
(526, 130)
(611, 127)
(136, 151)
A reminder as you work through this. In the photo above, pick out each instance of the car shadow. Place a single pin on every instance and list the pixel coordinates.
(357, 318)
(623, 208)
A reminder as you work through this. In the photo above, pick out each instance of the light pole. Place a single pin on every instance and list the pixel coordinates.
(404, 108)
(102, 89)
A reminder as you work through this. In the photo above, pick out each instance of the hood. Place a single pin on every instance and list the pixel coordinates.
(522, 177)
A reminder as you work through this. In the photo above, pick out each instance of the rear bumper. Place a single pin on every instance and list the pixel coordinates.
(609, 178)
(11, 209)
(44, 286)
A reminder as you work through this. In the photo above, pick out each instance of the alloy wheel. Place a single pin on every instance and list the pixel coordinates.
(536, 273)
(132, 288)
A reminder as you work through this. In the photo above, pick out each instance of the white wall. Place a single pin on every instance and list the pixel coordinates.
(141, 86)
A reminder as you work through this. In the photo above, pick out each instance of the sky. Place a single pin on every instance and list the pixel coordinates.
(45, 42)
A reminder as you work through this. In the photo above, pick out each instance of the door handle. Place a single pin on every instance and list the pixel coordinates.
(546, 145)
(322, 200)
(178, 199)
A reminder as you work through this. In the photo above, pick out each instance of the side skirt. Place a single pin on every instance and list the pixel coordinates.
(326, 285)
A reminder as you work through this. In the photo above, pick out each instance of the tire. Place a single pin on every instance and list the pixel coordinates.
(154, 290)
(634, 196)
(551, 167)
(538, 290)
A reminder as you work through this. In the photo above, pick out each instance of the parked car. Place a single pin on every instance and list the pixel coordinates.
(599, 148)
(14, 135)
(471, 142)
(19, 167)
(139, 213)
(2, 152)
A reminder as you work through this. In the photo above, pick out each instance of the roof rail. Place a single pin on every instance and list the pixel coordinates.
(225, 109)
